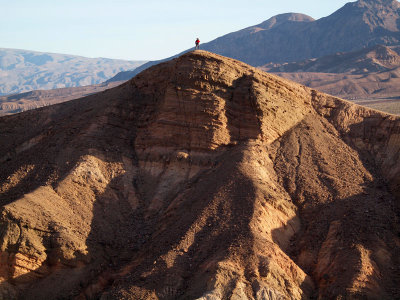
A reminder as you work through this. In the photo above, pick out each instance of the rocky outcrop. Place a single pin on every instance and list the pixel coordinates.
(201, 178)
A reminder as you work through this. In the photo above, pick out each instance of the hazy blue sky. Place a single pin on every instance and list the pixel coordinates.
(133, 29)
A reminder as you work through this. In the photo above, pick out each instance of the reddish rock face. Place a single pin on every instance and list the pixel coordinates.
(201, 178)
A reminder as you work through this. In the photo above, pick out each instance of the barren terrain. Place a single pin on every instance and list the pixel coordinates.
(30, 100)
(200, 178)
(377, 90)
(368, 77)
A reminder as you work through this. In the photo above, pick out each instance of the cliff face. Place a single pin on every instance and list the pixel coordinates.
(200, 178)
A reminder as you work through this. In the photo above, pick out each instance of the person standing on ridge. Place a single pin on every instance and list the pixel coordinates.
(197, 42)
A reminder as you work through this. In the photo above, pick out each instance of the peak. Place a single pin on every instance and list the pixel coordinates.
(296, 17)
(196, 56)
(207, 58)
(198, 53)
(283, 18)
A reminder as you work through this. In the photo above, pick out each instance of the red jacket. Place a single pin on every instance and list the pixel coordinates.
(197, 41)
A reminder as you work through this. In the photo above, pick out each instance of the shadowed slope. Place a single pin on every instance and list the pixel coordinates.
(200, 178)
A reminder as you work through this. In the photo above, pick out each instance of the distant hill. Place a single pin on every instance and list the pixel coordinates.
(374, 59)
(294, 37)
(23, 70)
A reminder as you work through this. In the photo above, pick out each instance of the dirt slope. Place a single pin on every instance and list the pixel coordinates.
(201, 178)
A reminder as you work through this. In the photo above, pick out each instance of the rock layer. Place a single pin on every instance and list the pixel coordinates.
(201, 178)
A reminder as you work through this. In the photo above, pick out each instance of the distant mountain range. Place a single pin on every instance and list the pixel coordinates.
(23, 70)
(294, 37)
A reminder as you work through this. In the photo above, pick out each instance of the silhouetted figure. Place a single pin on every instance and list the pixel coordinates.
(197, 42)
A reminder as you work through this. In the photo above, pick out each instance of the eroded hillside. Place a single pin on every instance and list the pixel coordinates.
(201, 178)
